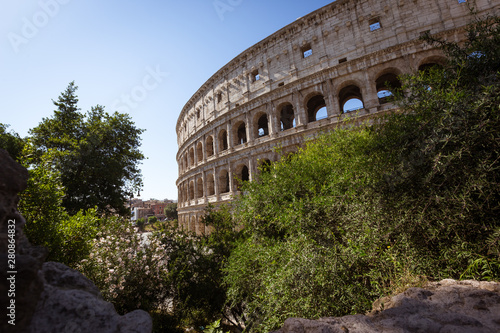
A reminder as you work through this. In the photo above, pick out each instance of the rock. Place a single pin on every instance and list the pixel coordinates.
(447, 306)
(47, 297)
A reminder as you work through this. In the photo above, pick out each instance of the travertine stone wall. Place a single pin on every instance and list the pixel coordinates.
(301, 80)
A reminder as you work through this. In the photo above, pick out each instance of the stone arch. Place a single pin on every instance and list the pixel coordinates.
(242, 174)
(286, 115)
(350, 92)
(199, 188)
(223, 181)
(316, 107)
(240, 133)
(431, 61)
(385, 84)
(262, 125)
(223, 140)
(199, 152)
(192, 224)
(209, 146)
(191, 156)
(210, 185)
(191, 190)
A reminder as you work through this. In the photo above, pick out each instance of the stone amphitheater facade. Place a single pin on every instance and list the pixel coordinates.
(299, 81)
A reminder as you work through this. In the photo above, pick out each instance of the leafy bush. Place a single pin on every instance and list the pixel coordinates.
(363, 212)
(129, 270)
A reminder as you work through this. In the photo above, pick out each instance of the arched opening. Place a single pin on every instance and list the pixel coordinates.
(350, 98)
(385, 85)
(287, 117)
(224, 181)
(262, 126)
(316, 108)
(210, 146)
(222, 140)
(192, 225)
(243, 175)
(199, 188)
(199, 152)
(191, 190)
(241, 134)
(191, 156)
(210, 185)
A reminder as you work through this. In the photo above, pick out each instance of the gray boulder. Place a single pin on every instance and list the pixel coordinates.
(447, 306)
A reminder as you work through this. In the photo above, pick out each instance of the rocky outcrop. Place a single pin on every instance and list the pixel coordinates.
(447, 306)
(41, 297)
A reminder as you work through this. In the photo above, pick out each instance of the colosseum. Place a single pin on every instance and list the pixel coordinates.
(338, 61)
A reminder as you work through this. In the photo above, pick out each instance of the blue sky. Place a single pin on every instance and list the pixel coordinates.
(145, 58)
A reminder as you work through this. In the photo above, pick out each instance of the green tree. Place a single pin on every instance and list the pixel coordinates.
(97, 154)
(171, 211)
(67, 238)
(11, 142)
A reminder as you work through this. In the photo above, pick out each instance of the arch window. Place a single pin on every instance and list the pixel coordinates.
(210, 146)
(243, 176)
(262, 126)
(350, 99)
(192, 225)
(241, 134)
(210, 185)
(191, 156)
(316, 108)
(199, 152)
(224, 181)
(287, 117)
(223, 140)
(199, 188)
(385, 84)
(191, 190)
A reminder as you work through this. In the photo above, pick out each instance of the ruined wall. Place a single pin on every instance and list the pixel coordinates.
(299, 80)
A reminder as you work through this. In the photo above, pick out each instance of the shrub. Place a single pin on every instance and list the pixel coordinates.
(130, 270)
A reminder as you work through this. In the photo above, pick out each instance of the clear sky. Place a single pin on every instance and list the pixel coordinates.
(145, 58)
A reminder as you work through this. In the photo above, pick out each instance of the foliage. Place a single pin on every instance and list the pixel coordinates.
(96, 154)
(195, 269)
(362, 212)
(11, 142)
(129, 269)
(171, 211)
(141, 223)
(152, 219)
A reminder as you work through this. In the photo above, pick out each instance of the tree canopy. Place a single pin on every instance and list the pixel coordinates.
(97, 154)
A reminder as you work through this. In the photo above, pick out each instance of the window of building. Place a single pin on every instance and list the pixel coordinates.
(375, 24)
(307, 51)
(255, 75)
(462, 1)
(219, 97)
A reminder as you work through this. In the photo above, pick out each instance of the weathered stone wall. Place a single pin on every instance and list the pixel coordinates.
(274, 93)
